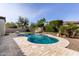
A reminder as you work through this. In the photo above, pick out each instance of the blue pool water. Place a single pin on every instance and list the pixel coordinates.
(41, 39)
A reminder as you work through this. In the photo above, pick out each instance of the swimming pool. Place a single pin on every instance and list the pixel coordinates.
(46, 39)
(41, 39)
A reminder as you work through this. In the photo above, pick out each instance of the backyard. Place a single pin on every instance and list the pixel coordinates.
(39, 29)
(16, 41)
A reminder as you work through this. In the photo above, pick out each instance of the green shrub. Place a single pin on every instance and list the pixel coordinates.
(70, 30)
(63, 29)
(11, 25)
(55, 24)
(48, 28)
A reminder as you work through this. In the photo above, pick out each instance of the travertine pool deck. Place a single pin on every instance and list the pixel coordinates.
(56, 49)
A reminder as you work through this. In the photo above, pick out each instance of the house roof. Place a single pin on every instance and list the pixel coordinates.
(1, 17)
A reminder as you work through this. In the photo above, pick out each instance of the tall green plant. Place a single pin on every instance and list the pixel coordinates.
(23, 22)
(70, 30)
(56, 24)
(33, 27)
(11, 25)
(48, 28)
(41, 23)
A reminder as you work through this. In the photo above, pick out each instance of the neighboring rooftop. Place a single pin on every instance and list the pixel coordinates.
(75, 22)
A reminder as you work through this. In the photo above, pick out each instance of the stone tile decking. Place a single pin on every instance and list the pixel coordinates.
(31, 49)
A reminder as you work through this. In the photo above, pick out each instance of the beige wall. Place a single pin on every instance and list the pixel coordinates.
(2, 27)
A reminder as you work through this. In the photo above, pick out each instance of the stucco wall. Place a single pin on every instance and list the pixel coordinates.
(2, 27)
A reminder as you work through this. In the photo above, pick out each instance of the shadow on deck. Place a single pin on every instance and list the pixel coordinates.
(8, 46)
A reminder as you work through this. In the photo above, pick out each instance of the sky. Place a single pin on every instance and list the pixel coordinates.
(35, 11)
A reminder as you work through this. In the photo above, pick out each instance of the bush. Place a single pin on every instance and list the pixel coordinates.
(55, 24)
(48, 28)
(11, 25)
(70, 30)
(63, 29)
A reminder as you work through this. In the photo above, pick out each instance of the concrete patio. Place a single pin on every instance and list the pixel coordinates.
(8, 47)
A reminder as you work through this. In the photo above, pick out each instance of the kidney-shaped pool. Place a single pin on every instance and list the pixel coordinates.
(41, 39)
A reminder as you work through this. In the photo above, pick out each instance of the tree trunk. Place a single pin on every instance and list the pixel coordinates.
(74, 33)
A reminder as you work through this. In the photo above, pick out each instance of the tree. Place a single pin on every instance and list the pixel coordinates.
(33, 27)
(63, 30)
(8, 25)
(23, 22)
(48, 28)
(70, 30)
(56, 24)
(40, 23)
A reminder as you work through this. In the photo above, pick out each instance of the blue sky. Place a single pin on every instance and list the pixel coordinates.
(53, 11)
